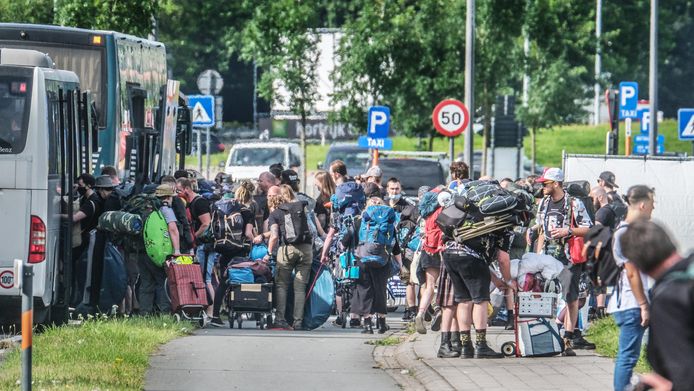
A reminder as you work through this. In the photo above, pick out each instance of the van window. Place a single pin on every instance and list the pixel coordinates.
(257, 156)
(294, 159)
(15, 94)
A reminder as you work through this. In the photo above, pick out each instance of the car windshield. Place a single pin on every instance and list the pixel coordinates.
(14, 113)
(353, 159)
(412, 173)
(257, 156)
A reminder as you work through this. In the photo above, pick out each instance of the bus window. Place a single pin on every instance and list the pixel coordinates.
(15, 93)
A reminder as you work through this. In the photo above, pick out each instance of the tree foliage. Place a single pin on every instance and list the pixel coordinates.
(26, 11)
(126, 16)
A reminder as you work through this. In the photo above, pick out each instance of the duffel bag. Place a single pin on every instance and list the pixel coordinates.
(498, 202)
(240, 275)
(120, 222)
(450, 218)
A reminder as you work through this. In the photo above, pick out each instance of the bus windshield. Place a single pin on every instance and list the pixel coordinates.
(15, 93)
(257, 156)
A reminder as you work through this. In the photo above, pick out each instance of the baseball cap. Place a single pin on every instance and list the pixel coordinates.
(608, 177)
(289, 177)
(374, 171)
(551, 174)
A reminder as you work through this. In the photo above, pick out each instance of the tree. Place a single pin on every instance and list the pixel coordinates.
(126, 16)
(26, 11)
(279, 38)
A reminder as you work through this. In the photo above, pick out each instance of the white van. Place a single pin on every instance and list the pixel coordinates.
(248, 159)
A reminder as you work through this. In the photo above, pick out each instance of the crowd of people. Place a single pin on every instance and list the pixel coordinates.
(449, 283)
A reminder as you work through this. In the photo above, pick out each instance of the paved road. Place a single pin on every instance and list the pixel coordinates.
(251, 359)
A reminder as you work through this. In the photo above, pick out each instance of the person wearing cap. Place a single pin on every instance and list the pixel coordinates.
(291, 179)
(152, 277)
(559, 218)
(606, 180)
(373, 175)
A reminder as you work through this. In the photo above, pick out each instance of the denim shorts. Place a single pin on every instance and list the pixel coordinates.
(207, 259)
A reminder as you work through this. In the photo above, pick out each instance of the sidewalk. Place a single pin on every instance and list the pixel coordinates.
(416, 357)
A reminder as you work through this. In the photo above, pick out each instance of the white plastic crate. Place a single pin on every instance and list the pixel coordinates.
(537, 304)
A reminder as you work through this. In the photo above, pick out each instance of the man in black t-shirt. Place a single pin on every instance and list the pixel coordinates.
(604, 212)
(294, 254)
(266, 180)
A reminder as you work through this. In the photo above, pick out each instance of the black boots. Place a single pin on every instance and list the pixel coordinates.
(456, 345)
(509, 321)
(382, 326)
(482, 350)
(368, 327)
(445, 350)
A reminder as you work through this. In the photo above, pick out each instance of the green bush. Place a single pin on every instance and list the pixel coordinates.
(604, 333)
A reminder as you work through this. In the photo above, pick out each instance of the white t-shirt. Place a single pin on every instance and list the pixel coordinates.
(623, 298)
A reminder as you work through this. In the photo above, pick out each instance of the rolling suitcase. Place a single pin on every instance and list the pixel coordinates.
(186, 290)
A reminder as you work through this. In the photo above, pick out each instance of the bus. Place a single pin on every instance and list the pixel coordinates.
(46, 134)
(133, 98)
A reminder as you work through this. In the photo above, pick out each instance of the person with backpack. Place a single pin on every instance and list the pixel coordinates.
(378, 255)
(291, 179)
(325, 186)
(560, 219)
(670, 348)
(606, 181)
(629, 303)
(185, 229)
(291, 241)
(153, 277)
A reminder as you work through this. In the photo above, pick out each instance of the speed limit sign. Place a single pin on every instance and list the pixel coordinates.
(450, 117)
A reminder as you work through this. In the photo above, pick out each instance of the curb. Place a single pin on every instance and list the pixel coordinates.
(406, 368)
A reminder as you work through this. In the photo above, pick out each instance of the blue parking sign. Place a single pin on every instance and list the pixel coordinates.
(628, 99)
(379, 122)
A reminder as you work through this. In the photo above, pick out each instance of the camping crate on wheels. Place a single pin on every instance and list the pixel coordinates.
(255, 299)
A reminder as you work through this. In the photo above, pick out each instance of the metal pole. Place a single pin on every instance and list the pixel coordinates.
(526, 76)
(199, 133)
(27, 323)
(255, 97)
(653, 80)
(598, 62)
(451, 148)
(208, 152)
(469, 82)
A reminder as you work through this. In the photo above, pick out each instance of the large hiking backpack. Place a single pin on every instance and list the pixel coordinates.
(619, 207)
(295, 228)
(349, 198)
(428, 203)
(376, 235)
(227, 228)
(598, 251)
(311, 218)
(143, 205)
(581, 190)
(157, 239)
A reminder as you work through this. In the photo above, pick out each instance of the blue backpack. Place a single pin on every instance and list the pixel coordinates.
(428, 204)
(349, 199)
(376, 235)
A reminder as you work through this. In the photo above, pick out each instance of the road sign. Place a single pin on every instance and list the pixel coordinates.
(628, 99)
(641, 144)
(203, 110)
(644, 116)
(210, 82)
(379, 122)
(685, 124)
(450, 117)
(375, 143)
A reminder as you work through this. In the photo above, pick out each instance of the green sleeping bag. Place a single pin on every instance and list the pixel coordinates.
(157, 240)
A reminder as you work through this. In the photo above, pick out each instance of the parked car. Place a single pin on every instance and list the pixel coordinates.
(356, 159)
(248, 159)
(413, 173)
(216, 145)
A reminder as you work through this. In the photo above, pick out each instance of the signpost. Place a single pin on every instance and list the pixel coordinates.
(641, 144)
(628, 99)
(450, 118)
(377, 131)
(202, 117)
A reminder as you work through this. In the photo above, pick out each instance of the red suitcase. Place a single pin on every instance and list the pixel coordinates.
(186, 289)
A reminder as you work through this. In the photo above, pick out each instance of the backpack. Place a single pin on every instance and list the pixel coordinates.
(581, 190)
(428, 204)
(598, 251)
(227, 227)
(157, 241)
(311, 217)
(408, 228)
(376, 235)
(143, 205)
(349, 198)
(296, 230)
(619, 207)
(185, 229)
(433, 236)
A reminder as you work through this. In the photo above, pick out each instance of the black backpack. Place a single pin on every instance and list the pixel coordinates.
(227, 228)
(295, 228)
(581, 190)
(619, 207)
(603, 269)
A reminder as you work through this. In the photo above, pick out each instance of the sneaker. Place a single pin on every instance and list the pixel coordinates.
(406, 315)
(419, 324)
(568, 348)
(436, 320)
(482, 350)
(428, 313)
(354, 322)
(216, 322)
(509, 326)
(299, 326)
(579, 342)
(338, 321)
(282, 325)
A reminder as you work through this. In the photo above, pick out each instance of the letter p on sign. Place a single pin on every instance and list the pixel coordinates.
(379, 122)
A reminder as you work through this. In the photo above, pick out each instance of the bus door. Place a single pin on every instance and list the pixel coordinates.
(142, 142)
(184, 133)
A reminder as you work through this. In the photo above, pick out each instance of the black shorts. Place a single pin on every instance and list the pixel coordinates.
(470, 276)
(427, 261)
(571, 294)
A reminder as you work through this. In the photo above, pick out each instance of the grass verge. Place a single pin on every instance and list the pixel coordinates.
(99, 354)
(604, 333)
(387, 341)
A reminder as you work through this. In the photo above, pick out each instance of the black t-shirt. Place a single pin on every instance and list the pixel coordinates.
(670, 348)
(606, 216)
(556, 213)
(262, 212)
(277, 217)
(198, 207)
(322, 210)
(486, 246)
(92, 206)
(112, 203)
(400, 205)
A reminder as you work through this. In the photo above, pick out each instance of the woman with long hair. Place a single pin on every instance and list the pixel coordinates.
(326, 188)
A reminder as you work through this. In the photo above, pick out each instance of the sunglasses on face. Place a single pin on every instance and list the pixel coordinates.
(545, 184)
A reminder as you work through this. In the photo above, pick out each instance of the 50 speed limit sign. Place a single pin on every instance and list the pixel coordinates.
(450, 117)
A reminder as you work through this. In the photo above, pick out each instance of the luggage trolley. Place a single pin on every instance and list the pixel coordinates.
(254, 299)
(535, 332)
(185, 288)
(346, 273)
